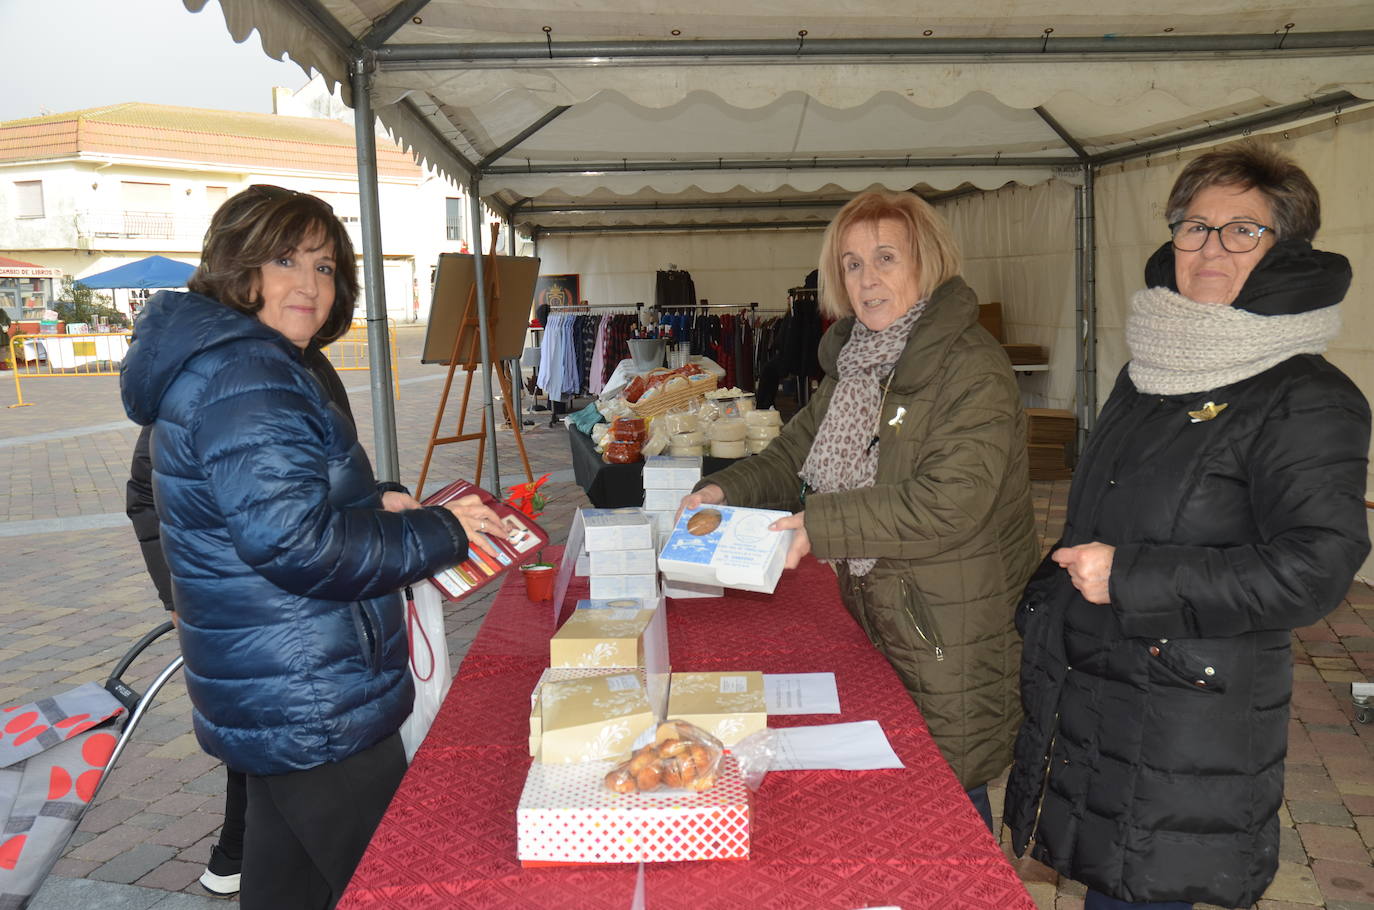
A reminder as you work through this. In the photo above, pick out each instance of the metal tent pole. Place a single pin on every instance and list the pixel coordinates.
(1089, 293)
(1079, 318)
(480, 276)
(374, 286)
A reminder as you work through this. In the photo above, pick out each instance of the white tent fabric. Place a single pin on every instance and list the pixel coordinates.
(718, 107)
(730, 135)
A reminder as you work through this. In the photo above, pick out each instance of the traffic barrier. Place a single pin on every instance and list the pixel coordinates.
(46, 356)
(351, 351)
(49, 356)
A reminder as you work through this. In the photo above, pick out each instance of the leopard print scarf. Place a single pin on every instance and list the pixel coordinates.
(844, 454)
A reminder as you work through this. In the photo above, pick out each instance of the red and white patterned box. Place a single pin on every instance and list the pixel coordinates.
(568, 815)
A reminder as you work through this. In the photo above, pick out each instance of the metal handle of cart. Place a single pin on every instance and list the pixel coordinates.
(137, 704)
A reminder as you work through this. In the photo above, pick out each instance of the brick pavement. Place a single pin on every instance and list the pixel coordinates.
(76, 596)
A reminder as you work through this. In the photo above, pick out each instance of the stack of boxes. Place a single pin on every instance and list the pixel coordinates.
(622, 559)
(602, 696)
(668, 478)
(595, 701)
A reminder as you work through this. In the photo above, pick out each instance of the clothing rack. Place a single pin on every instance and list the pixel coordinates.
(569, 307)
(715, 306)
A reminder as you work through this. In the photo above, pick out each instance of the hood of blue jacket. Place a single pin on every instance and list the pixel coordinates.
(175, 327)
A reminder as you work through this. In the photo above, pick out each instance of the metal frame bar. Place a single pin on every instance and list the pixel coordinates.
(869, 50)
(773, 164)
(665, 228)
(392, 22)
(524, 134)
(521, 210)
(1263, 120)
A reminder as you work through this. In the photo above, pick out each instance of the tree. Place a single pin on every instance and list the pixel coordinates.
(78, 303)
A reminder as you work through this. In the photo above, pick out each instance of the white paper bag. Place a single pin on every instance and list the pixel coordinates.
(428, 662)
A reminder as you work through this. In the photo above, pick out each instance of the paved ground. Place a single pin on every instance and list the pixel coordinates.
(76, 596)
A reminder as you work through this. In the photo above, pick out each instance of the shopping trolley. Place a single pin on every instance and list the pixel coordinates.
(55, 755)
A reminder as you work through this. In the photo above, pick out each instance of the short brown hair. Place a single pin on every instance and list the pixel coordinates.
(260, 224)
(933, 250)
(1253, 164)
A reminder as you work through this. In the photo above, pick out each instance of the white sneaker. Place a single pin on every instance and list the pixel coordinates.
(221, 875)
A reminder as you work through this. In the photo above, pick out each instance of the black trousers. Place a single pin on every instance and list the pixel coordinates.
(307, 830)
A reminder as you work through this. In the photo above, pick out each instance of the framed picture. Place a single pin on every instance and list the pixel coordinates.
(556, 290)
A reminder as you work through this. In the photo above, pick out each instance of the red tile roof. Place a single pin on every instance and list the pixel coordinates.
(7, 263)
(183, 134)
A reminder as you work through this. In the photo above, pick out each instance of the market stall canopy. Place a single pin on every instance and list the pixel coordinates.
(152, 272)
(617, 113)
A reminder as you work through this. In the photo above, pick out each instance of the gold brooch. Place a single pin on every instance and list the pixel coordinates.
(897, 421)
(1209, 410)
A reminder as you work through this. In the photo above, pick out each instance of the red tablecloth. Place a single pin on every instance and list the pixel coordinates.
(839, 839)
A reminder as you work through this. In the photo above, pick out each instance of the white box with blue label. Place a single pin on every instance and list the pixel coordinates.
(616, 529)
(728, 546)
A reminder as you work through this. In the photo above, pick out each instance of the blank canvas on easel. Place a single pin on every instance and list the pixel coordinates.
(454, 279)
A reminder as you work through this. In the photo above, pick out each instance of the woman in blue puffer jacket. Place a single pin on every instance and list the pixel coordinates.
(285, 562)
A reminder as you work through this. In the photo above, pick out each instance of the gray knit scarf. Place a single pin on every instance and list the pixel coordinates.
(1180, 346)
(844, 455)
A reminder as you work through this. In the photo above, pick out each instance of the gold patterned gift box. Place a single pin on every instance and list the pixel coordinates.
(562, 674)
(728, 705)
(594, 719)
(609, 636)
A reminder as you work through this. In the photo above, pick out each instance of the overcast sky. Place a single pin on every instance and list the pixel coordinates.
(64, 55)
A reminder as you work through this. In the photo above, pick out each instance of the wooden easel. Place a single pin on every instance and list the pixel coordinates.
(470, 360)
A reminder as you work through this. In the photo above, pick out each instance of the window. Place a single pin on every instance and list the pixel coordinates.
(28, 202)
(145, 197)
(454, 219)
(347, 206)
(215, 197)
(147, 209)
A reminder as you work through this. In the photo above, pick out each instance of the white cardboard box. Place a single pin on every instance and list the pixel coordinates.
(623, 562)
(567, 815)
(616, 529)
(644, 587)
(671, 472)
(727, 546)
(663, 524)
(684, 590)
(664, 500)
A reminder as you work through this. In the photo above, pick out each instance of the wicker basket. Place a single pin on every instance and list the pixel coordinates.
(663, 401)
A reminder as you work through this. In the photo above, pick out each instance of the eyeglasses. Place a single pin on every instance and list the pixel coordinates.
(280, 192)
(1235, 236)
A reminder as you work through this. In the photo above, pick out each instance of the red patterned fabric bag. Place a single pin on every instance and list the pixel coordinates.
(52, 754)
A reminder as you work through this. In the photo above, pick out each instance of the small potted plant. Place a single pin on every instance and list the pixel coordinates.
(539, 578)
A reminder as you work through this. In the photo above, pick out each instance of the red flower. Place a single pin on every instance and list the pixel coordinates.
(526, 497)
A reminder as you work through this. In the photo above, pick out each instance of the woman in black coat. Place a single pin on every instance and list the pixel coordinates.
(1218, 506)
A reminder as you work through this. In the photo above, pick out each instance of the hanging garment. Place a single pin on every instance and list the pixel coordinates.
(674, 288)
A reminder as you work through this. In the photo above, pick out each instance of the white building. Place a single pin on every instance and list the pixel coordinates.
(90, 190)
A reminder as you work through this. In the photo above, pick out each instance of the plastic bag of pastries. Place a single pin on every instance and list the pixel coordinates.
(681, 757)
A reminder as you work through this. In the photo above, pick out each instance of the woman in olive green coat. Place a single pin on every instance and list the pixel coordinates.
(907, 471)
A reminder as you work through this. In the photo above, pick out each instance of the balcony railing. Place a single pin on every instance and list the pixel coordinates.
(125, 224)
(122, 224)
